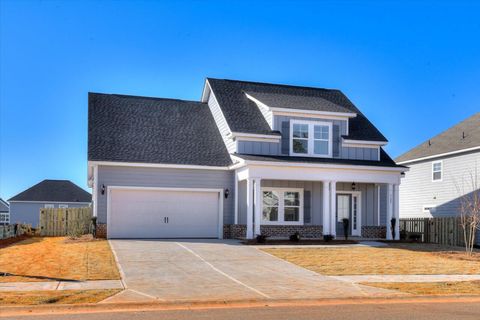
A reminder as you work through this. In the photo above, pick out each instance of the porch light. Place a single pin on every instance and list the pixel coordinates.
(353, 185)
(103, 189)
(226, 193)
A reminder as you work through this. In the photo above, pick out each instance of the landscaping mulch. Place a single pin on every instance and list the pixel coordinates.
(303, 242)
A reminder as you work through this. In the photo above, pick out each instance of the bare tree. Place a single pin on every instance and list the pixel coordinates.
(470, 213)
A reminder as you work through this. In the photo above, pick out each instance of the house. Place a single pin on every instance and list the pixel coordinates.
(25, 206)
(4, 212)
(442, 170)
(248, 158)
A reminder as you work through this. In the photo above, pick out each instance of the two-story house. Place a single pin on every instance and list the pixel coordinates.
(247, 159)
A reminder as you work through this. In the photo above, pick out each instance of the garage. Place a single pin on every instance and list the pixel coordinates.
(164, 213)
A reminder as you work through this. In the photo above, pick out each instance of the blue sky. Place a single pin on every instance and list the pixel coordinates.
(413, 67)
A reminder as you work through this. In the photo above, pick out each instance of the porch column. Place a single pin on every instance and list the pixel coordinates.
(326, 207)
(235, 198)
(389, 210)
(333, 208)
(396, 210)
(258, 205)
(249, 208)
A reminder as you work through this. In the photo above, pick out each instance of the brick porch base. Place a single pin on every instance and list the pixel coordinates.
(238, 231)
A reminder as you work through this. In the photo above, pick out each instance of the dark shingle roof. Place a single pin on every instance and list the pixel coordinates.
(4, 207)
(153, 130)
(243, 115)
(54, 190)
(464, 135)
(385, 160)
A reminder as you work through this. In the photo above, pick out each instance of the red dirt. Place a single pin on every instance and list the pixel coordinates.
(6, 242)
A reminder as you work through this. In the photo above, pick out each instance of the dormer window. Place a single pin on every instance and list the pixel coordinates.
(310, 138)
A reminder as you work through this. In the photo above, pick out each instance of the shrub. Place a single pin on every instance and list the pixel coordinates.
(295, 237)
(328, 237)
(261, 238)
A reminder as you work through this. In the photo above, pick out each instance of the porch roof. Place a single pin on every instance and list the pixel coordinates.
(385, 160)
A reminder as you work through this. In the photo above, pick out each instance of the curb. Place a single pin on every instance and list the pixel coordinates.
(9, 311)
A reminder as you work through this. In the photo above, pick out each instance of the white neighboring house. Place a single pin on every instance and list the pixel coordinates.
(4, 212)
(441, 171)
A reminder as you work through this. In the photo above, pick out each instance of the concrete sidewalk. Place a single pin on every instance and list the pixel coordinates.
(410, 278)
(61, 285)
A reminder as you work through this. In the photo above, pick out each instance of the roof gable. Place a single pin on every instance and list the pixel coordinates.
(464, 135)
(55, 191)
(243, 115)
(4, 206)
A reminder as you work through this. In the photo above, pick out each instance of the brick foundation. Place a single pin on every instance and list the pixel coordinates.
(237, 231)
(101, 230)
(374, 232)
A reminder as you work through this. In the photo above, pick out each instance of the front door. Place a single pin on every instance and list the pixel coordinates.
(344, 202)
(348, 207)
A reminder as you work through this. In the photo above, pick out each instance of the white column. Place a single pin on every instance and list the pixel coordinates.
(258, 205)
(249, 208)
(326, 207)
(389, 210)
(333, 208)
(396, 210)
(235, 199)
(377, 186)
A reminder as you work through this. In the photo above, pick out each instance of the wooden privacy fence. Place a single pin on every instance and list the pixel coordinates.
(444, 231)
(65, 221)
(9, 230)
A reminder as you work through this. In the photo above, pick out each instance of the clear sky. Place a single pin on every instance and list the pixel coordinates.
(412, 67)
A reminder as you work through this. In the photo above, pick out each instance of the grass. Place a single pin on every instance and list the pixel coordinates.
(394, 259)
(57, 258)
(55, 297)
(431, 288)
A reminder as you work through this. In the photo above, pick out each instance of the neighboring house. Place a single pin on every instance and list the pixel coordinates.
(25, 206)
(4, 212)
(442, 170)
(247, 159)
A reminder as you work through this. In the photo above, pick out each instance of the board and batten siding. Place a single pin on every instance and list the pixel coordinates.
(369, 200)
(165, 178)
(221, 123)
(282, 148)
(418, 190)
(29, 212)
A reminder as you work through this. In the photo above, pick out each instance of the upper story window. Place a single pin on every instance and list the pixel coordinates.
(48, 206)
(437, 171)
(311, 138)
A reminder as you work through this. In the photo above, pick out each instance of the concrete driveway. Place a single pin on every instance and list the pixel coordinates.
(213, 270)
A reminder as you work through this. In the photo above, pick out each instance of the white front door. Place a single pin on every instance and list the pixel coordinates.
(144, 213)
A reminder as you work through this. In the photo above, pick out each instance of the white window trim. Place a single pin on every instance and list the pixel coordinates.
(441, 171)
(311, 139)
(63, 206)
(49, 205)
(358, 194)
(281, 204)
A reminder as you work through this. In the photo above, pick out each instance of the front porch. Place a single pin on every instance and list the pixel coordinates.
(278, 201)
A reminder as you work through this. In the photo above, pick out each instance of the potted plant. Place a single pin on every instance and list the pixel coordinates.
(393, 222)
(327, 237)
(261, 238)
(346, 224)
(295, 237)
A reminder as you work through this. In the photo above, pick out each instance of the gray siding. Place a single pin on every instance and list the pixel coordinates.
(282, 148)
(221, 122)
(29, 212)
(257, 147)
(368, 191)
(417, 188)
(160, 177)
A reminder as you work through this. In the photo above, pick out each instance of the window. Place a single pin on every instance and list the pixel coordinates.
(63, 206)
(49, 206)
(310, 138)
(4, 218)
(282, 206)
(437, 171)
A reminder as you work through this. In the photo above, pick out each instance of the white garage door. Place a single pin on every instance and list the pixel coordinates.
(163, 214)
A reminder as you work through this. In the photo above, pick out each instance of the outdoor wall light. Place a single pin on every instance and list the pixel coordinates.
(103, 189)
(226, 193)
(354, 186)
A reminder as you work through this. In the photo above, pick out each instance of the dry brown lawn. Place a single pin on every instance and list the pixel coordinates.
(55, 297)
(395, 259)
(432, 288)
(57, 258)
